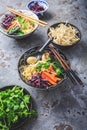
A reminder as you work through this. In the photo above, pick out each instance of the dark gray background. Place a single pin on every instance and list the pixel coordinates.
(66, 105)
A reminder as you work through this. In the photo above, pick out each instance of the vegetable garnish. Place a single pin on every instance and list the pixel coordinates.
(8, 18)
(15, 104)
(50, 77)
(39, 82)
(44, 65)
(58, 68)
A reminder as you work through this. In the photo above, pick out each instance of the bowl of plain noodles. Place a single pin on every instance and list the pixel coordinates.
(64, 34)
(18, 27)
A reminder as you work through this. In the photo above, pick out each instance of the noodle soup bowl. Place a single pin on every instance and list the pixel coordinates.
(38, 82)
(14, 35)
(62, 32)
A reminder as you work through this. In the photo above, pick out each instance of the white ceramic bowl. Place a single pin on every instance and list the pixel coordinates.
(41, 3)
(4, 31)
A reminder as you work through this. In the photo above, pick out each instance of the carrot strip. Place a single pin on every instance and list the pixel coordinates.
(13, 23)
(50, 77)
(51, 70)
(49, 80)
(57, 79)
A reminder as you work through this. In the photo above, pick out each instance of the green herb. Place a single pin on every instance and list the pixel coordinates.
(58, 68)
(59, 72)
(13, 30)
(38, 67)
(56, 64)
(20, 33)
(48, 60)
(14, 104)
(45, 65)
(24, 25)
(22, 22)
(20, 19)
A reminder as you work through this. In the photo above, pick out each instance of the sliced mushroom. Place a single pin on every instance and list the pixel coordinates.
(45, 56)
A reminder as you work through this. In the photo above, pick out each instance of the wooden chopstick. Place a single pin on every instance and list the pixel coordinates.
(66, 71)
(40, 22)
(66, 67)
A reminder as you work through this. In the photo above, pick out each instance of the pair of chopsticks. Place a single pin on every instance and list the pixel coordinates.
(39, 22)
(69, 72)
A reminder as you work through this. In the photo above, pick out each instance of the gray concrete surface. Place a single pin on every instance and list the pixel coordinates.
(66, 107)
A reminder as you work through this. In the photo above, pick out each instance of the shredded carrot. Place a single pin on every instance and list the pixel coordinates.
(13, 23)
(57, 79)
(50, 77)
(51, 70)
(49, 80)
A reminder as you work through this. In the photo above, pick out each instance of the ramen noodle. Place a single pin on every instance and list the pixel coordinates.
(28, 71)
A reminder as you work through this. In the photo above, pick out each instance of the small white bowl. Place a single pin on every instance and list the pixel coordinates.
(41, 3)
(4, 31)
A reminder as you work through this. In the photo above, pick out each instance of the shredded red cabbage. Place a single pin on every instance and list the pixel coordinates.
(38, 81)
(36, 7)
(7, 20)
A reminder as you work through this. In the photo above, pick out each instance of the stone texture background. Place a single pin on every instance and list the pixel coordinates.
(66, 107)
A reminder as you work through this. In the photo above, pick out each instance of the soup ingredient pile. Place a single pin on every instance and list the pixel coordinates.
(42, 73)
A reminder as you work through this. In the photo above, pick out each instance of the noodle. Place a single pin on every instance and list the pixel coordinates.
(29, 27)
(64, 35)
(29, 70)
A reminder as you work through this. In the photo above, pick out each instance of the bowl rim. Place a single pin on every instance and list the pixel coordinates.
(55, 24)
(49, 88)
(45, 2)
(16, 36)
